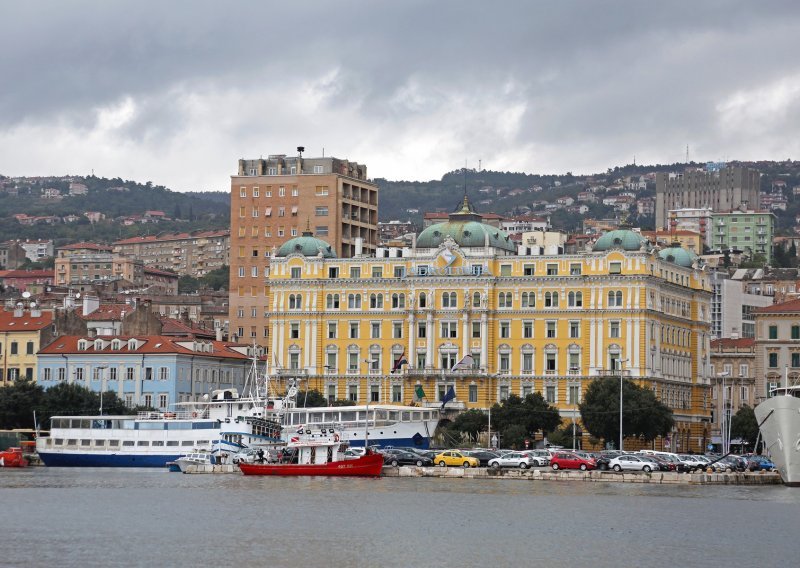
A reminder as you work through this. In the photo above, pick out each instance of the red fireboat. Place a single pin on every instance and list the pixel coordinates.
(12, 457)
(318, 452)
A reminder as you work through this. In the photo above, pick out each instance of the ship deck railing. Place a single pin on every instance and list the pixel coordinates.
(170, 415)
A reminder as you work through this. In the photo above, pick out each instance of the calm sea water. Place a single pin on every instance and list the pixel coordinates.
(92, 517)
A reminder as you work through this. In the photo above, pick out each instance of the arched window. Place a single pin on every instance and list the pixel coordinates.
(575, 299)
(476, 299)
(332, 302)
(528, 299)
(376, 301)
(423, 300)
(505, 299)
(398, 301)
(295, 301)
(615, 299)
(551, 299)
(449, 300)
(354, 301)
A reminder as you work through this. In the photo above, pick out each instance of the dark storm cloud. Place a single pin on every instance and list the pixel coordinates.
(523, 85)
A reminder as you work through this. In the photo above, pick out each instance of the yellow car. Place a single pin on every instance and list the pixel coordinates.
(456, 458)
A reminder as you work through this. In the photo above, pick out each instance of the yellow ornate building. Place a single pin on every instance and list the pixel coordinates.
(529, 322)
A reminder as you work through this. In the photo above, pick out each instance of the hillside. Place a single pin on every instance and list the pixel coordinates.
(118, 209)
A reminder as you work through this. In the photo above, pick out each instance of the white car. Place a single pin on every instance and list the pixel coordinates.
(513, 459)
(692, 461)
(541, 457)
(630, 462)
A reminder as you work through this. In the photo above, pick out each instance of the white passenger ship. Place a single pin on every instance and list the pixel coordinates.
(779, 420)
(225, 423)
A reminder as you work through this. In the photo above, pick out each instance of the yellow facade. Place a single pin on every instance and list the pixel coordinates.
(22, 333)
(548, 324)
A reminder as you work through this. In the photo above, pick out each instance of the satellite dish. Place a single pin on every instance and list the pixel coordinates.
(26, 294)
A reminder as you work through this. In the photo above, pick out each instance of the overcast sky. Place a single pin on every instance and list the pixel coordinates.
(176, 92)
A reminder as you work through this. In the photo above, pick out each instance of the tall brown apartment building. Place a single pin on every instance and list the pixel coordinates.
(279, 198)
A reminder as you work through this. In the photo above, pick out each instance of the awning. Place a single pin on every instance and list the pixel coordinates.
(294, 209)
(268, 212)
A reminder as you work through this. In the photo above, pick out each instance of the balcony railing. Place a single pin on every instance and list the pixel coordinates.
(290, 372)
(613, 372)
(471, 372)
(454, 404)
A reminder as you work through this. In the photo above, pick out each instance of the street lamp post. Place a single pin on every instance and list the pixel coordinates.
(620, 362)
(102, 384)
(724, 420)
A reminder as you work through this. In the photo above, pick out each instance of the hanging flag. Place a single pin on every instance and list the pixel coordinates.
(465, 363)
(451, 394)
(400, 362)
(419, 394)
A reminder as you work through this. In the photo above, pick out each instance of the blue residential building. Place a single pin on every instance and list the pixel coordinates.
(153, 370)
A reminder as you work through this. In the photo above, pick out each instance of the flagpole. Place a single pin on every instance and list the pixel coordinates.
(489, 437)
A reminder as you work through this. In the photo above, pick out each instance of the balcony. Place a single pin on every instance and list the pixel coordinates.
(454, 404)
(290, 372)
(613, 372)
(431, 372)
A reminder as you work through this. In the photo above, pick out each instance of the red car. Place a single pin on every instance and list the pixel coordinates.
(568, 460)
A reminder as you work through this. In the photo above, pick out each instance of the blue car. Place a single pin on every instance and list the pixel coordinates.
(760, 463)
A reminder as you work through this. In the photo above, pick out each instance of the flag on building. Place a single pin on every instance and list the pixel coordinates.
(465, 363)
(450, 395)
(400, 362)
(419, 394)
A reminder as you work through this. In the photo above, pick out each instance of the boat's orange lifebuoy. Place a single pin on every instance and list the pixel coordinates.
(194, 415)
(336, 437)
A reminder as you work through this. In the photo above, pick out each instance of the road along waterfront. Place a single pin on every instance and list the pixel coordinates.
(121, 517)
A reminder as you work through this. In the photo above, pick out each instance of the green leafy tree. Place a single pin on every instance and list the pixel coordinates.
(643, 415)
(311, 398)
(217, 279)
(17, 403)
(188, 284)
(744, 425)
(471, 423)
(516, 417)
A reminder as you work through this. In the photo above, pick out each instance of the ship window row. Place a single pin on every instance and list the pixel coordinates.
(107, 424)
(125, 443)
(328, 416)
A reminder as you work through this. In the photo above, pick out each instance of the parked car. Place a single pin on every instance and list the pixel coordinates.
(568, 460)
(664, 464)
(542, 457)
(658, 465)
(248, 455)
(692, 462)
(399, 457)
(630, 462)
(514, 459)
(456, 458)
(726, 464)
(483, 456)
(759, 463)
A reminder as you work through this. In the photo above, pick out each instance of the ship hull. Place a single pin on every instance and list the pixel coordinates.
(367, 466)
(87, 459)
(779, 417)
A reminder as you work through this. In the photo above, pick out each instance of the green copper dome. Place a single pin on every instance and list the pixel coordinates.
(621, 238)
(307, 245)
(467, 230)
(678, 255)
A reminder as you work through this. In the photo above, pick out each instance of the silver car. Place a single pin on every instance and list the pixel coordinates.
(513, 459)
(630, 462)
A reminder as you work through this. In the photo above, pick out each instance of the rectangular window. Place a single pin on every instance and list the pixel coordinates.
(294, 331)
(242, 191)
(505, 270)
(422, 330)
(773, 360)
(473, 393)
(321, 211)
(397, 393)
(773, 332)
(296, 272)
(449, 329)
(375, 330)
(527, 329)
(573, 394)
(399, 271)
(550, 394)
(552, 270)
(527, 363)
(574, 329)
(528, 270)
(397, 330)
(613, 329)
(353, 330)
(374, 393)
(615, 268)
(355, 272)
(504, 392)
(332, 330)
(377, 272)
(505, 330)
(551, 329)
(255, 192)
(352, 393)
(321, 231)
(795, 360)
(321, 191)
(333, 272)
(14, 348)
(796, 332)
(476, 330)
(575, 269)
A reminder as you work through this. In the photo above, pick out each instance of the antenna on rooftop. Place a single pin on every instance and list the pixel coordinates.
(300, 150)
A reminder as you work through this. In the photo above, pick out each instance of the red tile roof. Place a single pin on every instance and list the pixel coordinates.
(161, 272)
(173, 237)
(106, 312)
(27, 273)
(729, 343)
(150, 344)
(10, 323)
(792, 306)
(85, 246)
(172, 326)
